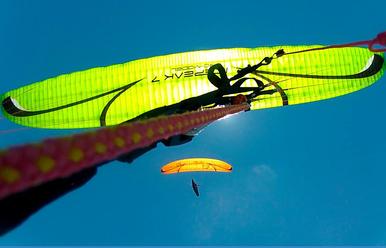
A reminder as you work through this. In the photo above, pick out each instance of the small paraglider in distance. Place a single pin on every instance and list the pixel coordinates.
(196, 165)
(195, 188)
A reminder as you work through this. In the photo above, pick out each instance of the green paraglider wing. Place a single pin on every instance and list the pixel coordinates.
(110, 95)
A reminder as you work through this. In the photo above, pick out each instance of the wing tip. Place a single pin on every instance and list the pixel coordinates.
(9, 106)
(12, 107)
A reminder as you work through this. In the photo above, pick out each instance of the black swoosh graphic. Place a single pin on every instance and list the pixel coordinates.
(102, 118)
(373, 69)
(282, 93)
(13, 110)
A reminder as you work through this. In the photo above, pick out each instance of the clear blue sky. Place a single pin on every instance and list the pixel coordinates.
(305, 174)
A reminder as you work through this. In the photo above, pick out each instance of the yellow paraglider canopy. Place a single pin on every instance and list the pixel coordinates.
(111, 95)
(196, 164)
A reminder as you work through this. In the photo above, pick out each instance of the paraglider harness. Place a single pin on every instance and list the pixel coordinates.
(223, 83)
(225, 93)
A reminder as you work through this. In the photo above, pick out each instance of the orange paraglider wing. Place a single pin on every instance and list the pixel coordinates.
(196, 164)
